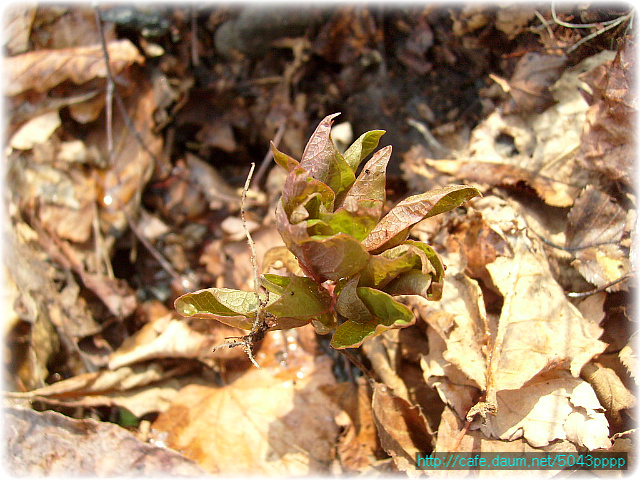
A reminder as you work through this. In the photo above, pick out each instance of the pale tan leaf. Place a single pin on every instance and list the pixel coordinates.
(459, 319)
(474, 441)
(41, 70)
(629, 358)
(539, 329)
(611, 392)
(36, 131)
(268, 422)
(540, 410)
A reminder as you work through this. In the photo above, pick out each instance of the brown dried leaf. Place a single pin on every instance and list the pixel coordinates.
(597, 222)
(50, 444)
(359, 442)
(42, 70)
(402, 428)
(595, 218)
(127, 387)
(266, 422)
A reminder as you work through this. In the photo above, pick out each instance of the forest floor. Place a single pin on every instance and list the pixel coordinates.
(124, 188)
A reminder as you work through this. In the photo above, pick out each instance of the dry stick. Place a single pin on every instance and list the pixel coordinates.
(260, 326)
(252, 245)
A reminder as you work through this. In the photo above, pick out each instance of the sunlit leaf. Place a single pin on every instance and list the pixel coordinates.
(414, 209)
(362, 147)
(324, 162)
(388, 314)
(386, 266)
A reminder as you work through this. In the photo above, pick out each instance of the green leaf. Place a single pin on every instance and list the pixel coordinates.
(322, 317)
(282, 159)
(412, 282)
(301, 299)
(412, 210)
(349, 304)
(324, 162)
(386, 266)
(358, 225)
(362, 147)
(231, 307)
(332, 258)
(388, 314)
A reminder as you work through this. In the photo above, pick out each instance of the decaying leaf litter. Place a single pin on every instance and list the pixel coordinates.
(111, 216)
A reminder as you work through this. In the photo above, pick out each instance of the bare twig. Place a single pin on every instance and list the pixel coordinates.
(260, 325)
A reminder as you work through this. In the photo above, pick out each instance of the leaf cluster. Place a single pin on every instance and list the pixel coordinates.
(330, 217)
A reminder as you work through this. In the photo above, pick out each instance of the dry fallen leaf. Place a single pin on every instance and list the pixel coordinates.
(264, 423)
(36, 131)
(358, 442)
(538, 331)
(596, 226)
(50, 444)
(608, 144)
(127, 387)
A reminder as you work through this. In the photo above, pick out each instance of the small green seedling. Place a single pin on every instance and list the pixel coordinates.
(354, 260)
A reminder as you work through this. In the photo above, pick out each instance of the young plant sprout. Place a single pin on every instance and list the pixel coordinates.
(354, 260)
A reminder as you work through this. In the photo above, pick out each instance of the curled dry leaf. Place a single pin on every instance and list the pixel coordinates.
(42, 70)
(611, 392)
(402, 428)
(50, 444)
(127, 387)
